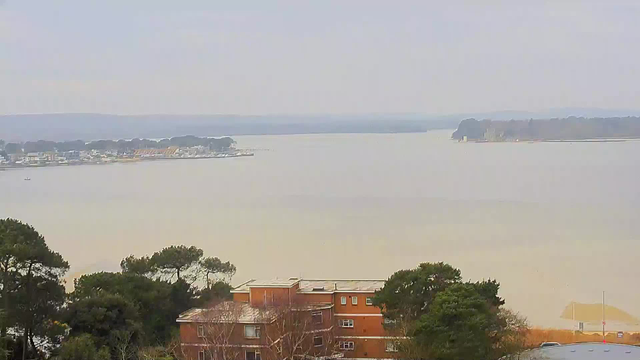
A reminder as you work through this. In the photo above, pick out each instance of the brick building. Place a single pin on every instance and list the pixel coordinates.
(290, 318)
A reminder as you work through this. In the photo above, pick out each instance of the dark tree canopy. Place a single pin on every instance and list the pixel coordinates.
(220, 144)
(444, 318)
(101, 315)
(138, 266)
(176, 260)
(108, 315)
(571, 128)
(31, 279)
(212, 266)
(460, 325)
(407, 294)
(83, 348)
(13, 148)
(152, 298)
(218, 291)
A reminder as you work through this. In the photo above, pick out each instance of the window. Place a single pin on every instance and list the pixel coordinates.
(200, 330)
(347, 345)
(316, 317)
(346, 323)
(201, 355)
(251, 331)
(392, 346)
(369, 301)
(354, 300)
(252, 355)
(318, 341)
(343, 300)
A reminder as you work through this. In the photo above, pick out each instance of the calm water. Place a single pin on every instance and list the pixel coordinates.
(554, 222)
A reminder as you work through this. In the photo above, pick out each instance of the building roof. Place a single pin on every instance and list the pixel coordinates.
(586, 351)
(314, 285)
(307, 286)
(228, 312)
(239, 313)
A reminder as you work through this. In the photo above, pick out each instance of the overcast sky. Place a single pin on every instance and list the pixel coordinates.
(346, 56)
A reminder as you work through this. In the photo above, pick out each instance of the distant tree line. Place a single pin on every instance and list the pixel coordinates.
(214, 144)
(572, 128)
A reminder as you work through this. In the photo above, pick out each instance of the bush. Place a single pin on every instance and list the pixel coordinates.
(82, 348)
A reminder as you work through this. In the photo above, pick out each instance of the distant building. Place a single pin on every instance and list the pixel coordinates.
(339, 320)
(170, 151)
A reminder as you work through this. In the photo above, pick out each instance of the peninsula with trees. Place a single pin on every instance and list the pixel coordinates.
(78, 152)
(565, 129)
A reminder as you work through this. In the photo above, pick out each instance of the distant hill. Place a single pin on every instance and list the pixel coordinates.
(73, 126)
(571, 128)
(64, 127)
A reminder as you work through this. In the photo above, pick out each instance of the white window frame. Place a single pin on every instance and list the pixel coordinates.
(315, 314)
(347, 345)
(200, 330)
(202, 355)
(314, 341)
(343, 300)
(256, 352)
(391, 346)
(256, 331)
(354, 300)
(369, 301)
(346, 323)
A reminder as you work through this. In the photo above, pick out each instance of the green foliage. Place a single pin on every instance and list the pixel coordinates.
(13, 148)
(212, 266)
(139, 266)
(447, 319)
(152, 298)
(176, 260)
(31, 279)
(218, 291)
(83, 348)
(460, 325)
(101, 315)
(407, 294)
(513, 337)
(571, 128)
(108, 314)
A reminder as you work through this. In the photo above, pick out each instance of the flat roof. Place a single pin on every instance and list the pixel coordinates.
(228, 312)
(239, 312)
(277, 282)
(315, 285)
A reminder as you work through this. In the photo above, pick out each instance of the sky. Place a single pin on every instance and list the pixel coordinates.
(346, 56)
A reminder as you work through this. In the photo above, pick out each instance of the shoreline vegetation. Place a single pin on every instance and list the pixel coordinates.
(43, 153)
(571, 129)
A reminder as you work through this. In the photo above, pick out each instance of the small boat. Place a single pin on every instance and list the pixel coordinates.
(27, 179)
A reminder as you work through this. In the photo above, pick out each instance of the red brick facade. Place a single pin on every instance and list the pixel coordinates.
(350, 326)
